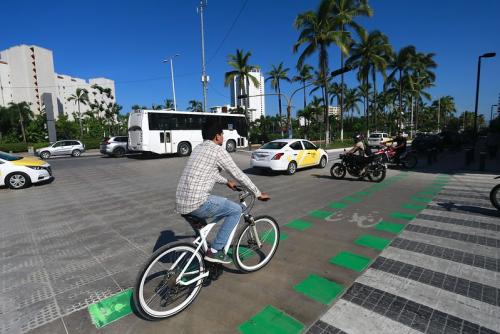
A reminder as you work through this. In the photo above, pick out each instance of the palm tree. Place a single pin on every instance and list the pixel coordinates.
(195, 105)
(23, 113)
(169, 104)
(81, 96)
(241, 72)
(401, 64)
(370, 56)
(303, 75)
(317, 34)
(275, 75)
(344, 13)
(352, 98)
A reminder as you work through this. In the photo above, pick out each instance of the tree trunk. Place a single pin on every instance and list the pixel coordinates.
(342, 93)
(304, 87)
(80, 119)
(400, 113)
(279, 105)
(374, 104)
(366, 110)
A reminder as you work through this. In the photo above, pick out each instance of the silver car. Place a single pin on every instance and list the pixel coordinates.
(115, 146)
(62, 147)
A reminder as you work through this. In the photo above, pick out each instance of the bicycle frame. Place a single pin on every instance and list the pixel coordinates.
(201, 242)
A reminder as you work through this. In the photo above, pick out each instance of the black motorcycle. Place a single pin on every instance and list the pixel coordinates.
(375, 169)
(495, 195)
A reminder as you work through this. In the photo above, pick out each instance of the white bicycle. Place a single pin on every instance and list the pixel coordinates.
(174, 275)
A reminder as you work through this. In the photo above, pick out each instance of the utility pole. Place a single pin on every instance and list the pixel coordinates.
(204, 77)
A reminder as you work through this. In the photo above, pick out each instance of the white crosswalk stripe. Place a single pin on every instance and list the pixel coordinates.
(355, 319)
(444, 266)
(457, 305)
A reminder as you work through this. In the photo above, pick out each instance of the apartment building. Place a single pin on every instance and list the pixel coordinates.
(256, 104)
(27, 74)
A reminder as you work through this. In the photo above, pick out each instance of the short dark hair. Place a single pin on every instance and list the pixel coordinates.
(211, 128)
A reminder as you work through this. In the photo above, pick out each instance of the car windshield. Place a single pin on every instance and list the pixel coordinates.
(274, 145)
(9, 157)
(375, 135)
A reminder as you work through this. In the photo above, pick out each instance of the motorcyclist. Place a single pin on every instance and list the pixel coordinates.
(400, 147)
(361, 158)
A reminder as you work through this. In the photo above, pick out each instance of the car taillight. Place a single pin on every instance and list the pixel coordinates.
(106, 142)
(277, 156)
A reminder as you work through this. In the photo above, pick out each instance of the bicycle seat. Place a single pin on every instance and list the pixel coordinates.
(195, 222)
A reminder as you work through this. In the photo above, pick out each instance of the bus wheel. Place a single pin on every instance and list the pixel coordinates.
(231, 146)
(184, 149)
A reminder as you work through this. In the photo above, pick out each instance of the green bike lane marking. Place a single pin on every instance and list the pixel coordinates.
(351, 261)
(386, 226)
(111, 309)
(413, 206)
(372, 241)
(299, 224)
(271, 321)
(319, 289)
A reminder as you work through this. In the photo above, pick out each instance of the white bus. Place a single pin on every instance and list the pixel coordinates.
(164, 132)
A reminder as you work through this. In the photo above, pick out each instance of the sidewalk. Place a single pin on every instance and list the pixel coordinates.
(440, 274)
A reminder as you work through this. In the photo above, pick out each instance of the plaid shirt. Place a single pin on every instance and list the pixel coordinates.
(201, 173)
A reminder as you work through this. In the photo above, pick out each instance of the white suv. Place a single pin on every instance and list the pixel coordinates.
(378, 138)
(61, 147)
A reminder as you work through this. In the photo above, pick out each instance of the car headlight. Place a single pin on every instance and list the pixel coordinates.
(36, 167)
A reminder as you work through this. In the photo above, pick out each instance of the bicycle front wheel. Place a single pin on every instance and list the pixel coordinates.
(256, 244)
(157, 292)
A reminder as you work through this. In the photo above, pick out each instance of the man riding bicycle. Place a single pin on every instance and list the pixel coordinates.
(202, 171)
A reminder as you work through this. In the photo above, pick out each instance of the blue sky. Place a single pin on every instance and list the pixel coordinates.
(127, 41)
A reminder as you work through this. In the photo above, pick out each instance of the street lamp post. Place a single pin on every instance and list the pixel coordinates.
(486, 55)
(171, 59)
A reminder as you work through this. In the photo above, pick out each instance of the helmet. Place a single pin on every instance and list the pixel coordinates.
(357, 138)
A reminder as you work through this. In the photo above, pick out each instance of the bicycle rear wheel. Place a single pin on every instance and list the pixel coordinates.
(157, 294)
(256, 244)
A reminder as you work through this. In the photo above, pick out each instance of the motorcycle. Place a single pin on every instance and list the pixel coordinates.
(375, 170)
(495, 195)
(407, 160)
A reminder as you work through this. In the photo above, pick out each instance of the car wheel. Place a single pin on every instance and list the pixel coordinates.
(17, 180)
(119, 152)
(322, 162)
(292, 168)
(45, 155)
(76, 153)
(231, 146)
(184, 149)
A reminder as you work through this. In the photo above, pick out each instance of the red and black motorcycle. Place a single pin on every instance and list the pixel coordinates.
(387, 154)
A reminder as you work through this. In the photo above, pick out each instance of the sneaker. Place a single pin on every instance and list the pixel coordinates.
(218, 257)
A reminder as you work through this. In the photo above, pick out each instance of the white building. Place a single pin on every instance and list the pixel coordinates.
(5, 85)
(67, 86)
(27, 74)
(32, 78)
(256, 104)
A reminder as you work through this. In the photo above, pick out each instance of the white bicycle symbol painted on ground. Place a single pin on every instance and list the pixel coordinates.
(363, 221)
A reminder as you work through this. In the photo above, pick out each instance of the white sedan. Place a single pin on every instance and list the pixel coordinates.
(18, 172)
(288, 155)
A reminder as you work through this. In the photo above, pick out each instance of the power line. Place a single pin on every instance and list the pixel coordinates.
(228, 32)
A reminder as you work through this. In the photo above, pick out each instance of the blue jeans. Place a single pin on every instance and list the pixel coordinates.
(217, 207)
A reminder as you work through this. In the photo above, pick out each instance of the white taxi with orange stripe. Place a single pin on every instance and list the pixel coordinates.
(19, 172)
(288, 155)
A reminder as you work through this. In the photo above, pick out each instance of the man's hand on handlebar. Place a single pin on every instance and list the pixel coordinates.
(232, 185)
(264, 197)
